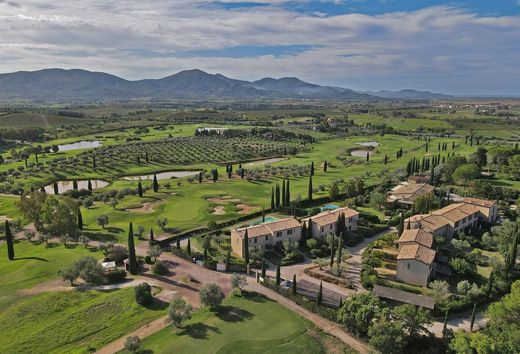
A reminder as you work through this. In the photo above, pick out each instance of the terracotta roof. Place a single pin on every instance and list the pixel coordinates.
(268, 228)
(480, 202)
(331, 216)
(433, 222)
(408, 192)
(417, 252)
(417, 235)
(456, 212)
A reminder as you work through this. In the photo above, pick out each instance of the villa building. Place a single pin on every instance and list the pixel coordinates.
(325, 222)
(488, 208)
(406, 193)
(415, 264)
(266, 235)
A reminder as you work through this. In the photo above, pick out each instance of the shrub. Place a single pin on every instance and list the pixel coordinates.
(317, 253)
(159, 268)
(148, 259)
(211, 295)
(143, 294)
(311, 243)
(116, 276)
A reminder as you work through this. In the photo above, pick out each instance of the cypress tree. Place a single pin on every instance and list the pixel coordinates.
(132, 260)
(89, 185)
(287, 193)
(138, 159)
(263, 269)
(263, 214)
(9, 241)
(242, 171)
(319, 297)
(188, 247)
(431, 176)
(312, 168)
(368, 156)
(200, 177)
(489, 285)
(25, 162)
(310, 188)
(75, 185)
(340, 304)
(80, 220)
(278, 277)
(473, 317)
(155, 183)
(246, 247)
(332, 251)
(325, 166)
(386, 159)
(146, 156)
(294, 287)
(36, 157)
(400, 228)
(178, 241)
(284, 202)
(303, 238)
(272, 199)
(140, 189)
(93, 161)
(277, 195)
(151, 239)
(55, 186)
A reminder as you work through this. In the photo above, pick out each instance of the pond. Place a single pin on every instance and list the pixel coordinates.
(85, 144)
(162, 175)
(361, 152)
(369, 144)
(264, 162)
(64, 186)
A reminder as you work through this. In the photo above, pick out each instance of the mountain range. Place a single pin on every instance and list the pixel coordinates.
(81, 85)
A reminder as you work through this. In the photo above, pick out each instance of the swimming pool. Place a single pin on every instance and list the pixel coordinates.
(259, 221)
(329, 207)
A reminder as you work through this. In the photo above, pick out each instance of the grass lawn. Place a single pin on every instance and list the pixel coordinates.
(72, 321)
(251, 324)
(34, 264)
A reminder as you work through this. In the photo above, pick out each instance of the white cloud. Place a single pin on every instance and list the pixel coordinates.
(438, 48)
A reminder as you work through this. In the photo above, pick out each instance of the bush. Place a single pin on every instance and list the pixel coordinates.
(143, 294)
(116, 276)
(159, 268)
(311, 243)
(211, 295)
(148, 259)
(317, 253)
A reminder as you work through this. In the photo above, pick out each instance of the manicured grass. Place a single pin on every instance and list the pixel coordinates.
(72, 321)
(249, 324)
(9, 208)
(34, 264)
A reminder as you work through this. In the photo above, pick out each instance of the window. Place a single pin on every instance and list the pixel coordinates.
(330, 227)
(289, 232)
(279, 234)
(256, 240)
(349, 219)
(321, 229)
(407, 265)
(267, 238)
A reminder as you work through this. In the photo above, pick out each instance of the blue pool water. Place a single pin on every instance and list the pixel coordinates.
(329, 207)
(259, 221)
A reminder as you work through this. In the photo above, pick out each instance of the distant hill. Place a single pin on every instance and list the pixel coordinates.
(409, 94)
(82, 85)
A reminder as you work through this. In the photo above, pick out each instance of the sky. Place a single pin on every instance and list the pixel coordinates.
(466, 47)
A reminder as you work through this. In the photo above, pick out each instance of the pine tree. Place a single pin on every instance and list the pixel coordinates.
(319, 297)
(140, 189)
(9, 241)
(246, 248)
(155, 183)
(294, 286)
(132, 260)
(310, 188)
(80, 220)
(278, 277)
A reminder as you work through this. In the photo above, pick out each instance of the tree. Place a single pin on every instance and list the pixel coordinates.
(55, 187)
(263, 269)
(287, 194)
(132, 260)
(388, 337)
(400, 227)
(377, 200)
(178, 242)
(155, 183)
(246, 247)
(80, 220)
(273, 205)
(452, 164)
(466, 173)
(9, 241)
(151, 237)
(140, 189)
(284, 201)
(179, 311)
(84, 240)
(325, 166)
(211, 295)
(133, 344)
(309, 196)
(277, 195)
(188, 247)
(90, 270)
(294, 285)
(413, 319)
(312, 168)
(238, 281)
(59, 216)
(333, 192)
(358, 312)
(143, 294)
(69, 273)
(278, 276)
(102, 220)
(154, 252)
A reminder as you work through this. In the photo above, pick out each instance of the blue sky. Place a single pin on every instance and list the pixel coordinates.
(457, 47)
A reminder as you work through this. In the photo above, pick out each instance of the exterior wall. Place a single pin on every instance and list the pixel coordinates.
(413, 272)
(470, 222)
(488, 215)
(265, 240)
(236, 243)
(293, 234)
(321, 232)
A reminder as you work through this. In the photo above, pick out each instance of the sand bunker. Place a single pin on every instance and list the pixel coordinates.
(146, 208)
(245, 208)
(218, 210)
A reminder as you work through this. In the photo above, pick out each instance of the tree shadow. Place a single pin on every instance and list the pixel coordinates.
(233, 314)
(157, 305)
(31, 258)
(98, 236)
(255, 297)
(114, 230)
(199, 330)
(170, 281)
